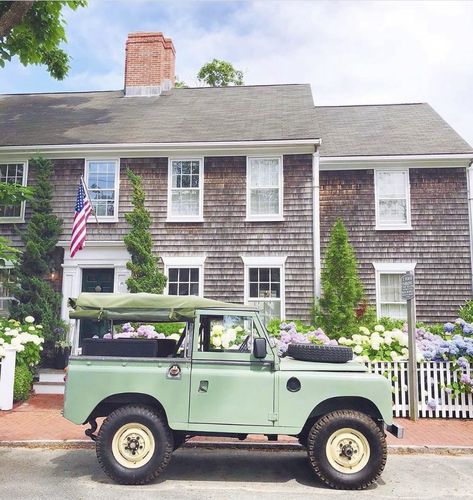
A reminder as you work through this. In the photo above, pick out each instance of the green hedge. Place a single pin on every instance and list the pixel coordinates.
(22, 384)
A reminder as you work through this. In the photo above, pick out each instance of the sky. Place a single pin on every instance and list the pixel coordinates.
(350, 52)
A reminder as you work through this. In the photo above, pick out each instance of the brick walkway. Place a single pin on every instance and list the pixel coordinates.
(40, 419)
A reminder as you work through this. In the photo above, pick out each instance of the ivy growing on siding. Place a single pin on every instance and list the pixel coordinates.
(145, 274)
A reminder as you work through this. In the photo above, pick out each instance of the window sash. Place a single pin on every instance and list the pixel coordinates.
(102, 186)
(265, 290)
(13, 173)
(392, 198)
(264, 190)
(182, 280)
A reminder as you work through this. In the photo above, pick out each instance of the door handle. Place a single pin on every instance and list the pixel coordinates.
(203, 386)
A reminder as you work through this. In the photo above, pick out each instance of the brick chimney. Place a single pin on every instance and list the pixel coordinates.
(149, 64)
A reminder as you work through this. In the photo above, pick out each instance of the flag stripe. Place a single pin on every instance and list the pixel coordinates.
(83, 209)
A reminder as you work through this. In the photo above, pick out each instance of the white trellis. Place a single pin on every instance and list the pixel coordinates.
(7, 378)
(432, 378)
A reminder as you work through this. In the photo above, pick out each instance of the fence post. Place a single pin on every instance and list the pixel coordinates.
(7, 378)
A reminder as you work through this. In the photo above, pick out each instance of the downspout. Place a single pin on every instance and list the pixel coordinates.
(316, 222)
(469, 177)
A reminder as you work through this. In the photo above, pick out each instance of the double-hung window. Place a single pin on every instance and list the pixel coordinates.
(13, 173)
(264, 188)
(185, 190)
(264, 285)
(393, 209)
(102, 180)
(388, 289)
(185, 275)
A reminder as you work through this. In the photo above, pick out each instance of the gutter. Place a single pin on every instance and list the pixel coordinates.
(316, 222)
(469, 178)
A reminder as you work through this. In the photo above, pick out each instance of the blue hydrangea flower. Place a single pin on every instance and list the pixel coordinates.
(449, 327)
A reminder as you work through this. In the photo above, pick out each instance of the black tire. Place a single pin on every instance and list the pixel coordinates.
(152, 425)
(333, 469)
(320, 353)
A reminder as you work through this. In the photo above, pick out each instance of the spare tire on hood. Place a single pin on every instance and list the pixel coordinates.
(320, 353)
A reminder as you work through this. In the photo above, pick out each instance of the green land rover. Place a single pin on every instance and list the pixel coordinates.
(157, 393)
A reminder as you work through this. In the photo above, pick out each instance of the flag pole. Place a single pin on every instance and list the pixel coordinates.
(90, 199)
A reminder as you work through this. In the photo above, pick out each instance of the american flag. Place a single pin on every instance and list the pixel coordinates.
(79, 226)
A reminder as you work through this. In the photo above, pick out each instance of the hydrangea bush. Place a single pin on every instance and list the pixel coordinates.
(25, 337)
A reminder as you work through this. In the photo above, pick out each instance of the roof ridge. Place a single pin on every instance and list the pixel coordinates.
(67, 92)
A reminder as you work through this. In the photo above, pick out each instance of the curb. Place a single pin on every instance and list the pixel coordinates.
(229, 445)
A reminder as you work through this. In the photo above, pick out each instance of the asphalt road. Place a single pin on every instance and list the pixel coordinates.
(223, 474)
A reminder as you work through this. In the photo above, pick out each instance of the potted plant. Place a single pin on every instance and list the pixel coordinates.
(62, 347)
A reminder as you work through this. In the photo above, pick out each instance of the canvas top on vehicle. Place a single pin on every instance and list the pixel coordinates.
(144, 306)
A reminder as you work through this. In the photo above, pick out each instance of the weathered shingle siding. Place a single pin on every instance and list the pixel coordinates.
(439, 241)
(224, 236)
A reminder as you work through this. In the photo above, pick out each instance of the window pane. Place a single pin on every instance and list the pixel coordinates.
(275, 274)
(184, 274)
(264, 201)
(194, 289)
(393, 211)
(264, 172)
(269, 309)
(172, 288)
(264, 274)
(253, 274)
(396, 311)
(173, 272)
(391, 184)
(194, 275)
(390, 287)
(183, 288)
(253, 289)
(185, 202)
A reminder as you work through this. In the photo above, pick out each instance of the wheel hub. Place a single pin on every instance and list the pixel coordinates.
(348, 450)
(133, 445)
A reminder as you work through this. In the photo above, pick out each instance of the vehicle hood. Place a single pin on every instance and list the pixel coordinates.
(291, 364)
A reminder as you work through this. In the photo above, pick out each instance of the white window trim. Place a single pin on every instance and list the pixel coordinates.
(265, 261)
(389, 268)
(114, 217)
(21, 217)
(186, 218)
(184, 262)
(265, 218)
(407, 226)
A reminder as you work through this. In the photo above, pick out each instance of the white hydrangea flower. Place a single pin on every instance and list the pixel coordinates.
(364, 330)
(217, 330)
(356, 338)
(174, 336)
(29, 319)
(379, 328)
(216, 341)
(31, 328)
(358, 349)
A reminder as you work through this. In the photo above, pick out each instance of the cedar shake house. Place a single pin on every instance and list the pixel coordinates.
(243, 185)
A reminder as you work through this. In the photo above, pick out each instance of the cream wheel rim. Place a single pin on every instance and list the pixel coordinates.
(133, 445)
(348, 451)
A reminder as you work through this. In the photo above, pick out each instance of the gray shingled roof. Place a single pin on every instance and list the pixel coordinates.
(275, 112)
(387, 129)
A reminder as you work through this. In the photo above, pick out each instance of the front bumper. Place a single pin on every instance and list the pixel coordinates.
(396, 430)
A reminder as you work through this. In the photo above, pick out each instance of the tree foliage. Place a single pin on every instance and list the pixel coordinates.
(34, 31)
(336, 312)
(145, 274)
(218, 73)
(31, 287)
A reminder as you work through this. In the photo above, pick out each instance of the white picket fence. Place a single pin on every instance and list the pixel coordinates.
(7, 377)
(432, 377)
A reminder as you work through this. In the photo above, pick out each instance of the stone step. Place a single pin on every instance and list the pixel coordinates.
(50, 375)
(49, 388)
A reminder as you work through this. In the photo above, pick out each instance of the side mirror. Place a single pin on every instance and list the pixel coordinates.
(259, 348)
